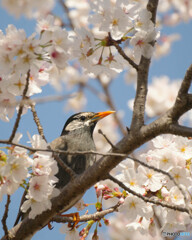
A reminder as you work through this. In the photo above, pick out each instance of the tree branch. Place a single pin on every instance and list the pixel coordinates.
(152, 7)
(186, 82)
(37, 121)
(64, 166)
(66, 9)
(183, 101)
(73, 175)
(122, 53)
(167, 123)
(180, 130)
(141, 93)
(47, 99)
(149, 200)
(5, 215)
(82, 182)
(142, 80)
(106, 138)
(163, 172)
(95, 216)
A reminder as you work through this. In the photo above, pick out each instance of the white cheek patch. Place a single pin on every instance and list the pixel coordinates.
(87, 123)
(73, 126)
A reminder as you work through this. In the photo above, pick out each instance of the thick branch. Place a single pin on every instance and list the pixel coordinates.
(168, 123)
(141, 93)
(73, 175)
(183, 101)
(180, 130)
(142, 80)
(152, 7)
(81, 183)
(186, 82)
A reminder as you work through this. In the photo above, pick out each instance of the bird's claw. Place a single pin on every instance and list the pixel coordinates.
(76, 219)
(49, 226)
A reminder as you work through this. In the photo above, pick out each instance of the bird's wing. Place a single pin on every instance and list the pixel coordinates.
(75, 162)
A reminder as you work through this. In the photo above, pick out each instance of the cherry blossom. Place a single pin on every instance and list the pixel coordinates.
(71, 234)
(130, 179)
(150, 179)
(141, 42)
(134, 207)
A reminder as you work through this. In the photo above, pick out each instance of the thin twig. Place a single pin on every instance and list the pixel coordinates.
(64, 166)
(20, 213)
(122, 53)
(146, 199)
(107, 139)
(5, 215)
(66, 9)
(163, 172)
(100, 154)
(87, 217)
(16, 125)
(47, 99)
(37, 121)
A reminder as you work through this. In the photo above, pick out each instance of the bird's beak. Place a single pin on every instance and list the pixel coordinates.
(101, 115)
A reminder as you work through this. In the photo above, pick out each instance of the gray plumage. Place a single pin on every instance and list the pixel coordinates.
(77, 135)
(77, 139)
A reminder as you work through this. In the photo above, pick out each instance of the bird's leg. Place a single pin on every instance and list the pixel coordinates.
(76, 219)
(75, 216)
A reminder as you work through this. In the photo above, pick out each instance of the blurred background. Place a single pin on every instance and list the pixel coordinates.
(54, 114)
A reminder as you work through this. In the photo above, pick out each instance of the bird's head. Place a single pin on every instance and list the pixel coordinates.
(83, 121)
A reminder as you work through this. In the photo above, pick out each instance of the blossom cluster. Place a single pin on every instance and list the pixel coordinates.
(172, 11)
(122, 20)
(172, 154)
(45, 59)
(13, 168)
(38, 57)
(37, 175)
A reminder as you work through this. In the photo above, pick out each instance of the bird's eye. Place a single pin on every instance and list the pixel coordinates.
(82, 118)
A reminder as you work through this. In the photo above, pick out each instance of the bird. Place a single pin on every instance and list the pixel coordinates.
(77, 135)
